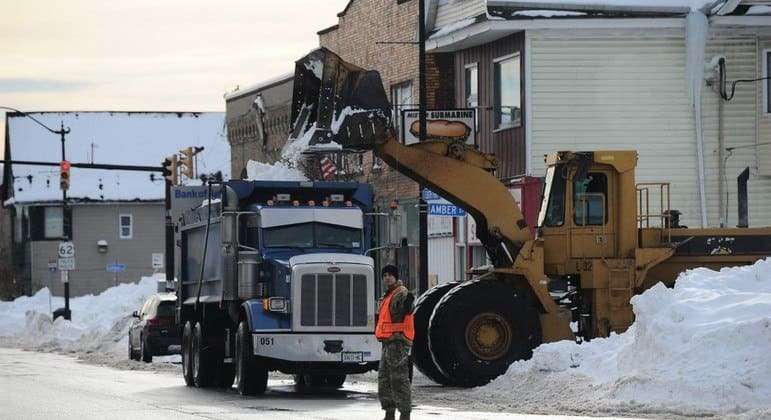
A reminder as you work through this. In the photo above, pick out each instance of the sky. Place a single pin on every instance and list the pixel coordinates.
(167, 55)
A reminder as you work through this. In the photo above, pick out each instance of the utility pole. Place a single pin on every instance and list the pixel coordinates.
(65, 232)
(423, 206)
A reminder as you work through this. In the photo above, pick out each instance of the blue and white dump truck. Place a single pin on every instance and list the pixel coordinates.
(273, 277)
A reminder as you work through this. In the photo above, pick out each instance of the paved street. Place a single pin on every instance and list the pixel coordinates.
(45, 386)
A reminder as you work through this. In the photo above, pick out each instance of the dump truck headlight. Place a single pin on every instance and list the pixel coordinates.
(276, 304)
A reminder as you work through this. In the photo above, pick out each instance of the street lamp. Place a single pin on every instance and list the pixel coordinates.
(61, 132)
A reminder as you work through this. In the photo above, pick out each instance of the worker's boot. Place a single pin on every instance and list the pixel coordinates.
(404, 416)
(390, 415)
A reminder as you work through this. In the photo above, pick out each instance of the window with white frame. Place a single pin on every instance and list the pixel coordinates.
(472, 90)
(401, 99)
(54, 222)
(767, 81)
(507, 105)
(126, 229)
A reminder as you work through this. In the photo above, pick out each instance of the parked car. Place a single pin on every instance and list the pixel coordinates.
(152, 332)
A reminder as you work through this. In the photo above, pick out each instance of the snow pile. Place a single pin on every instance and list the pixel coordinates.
(99, 323)
(701, 347)
(279, 171)
(286, 169)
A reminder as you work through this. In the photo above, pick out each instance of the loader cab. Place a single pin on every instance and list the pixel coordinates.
(579, 214)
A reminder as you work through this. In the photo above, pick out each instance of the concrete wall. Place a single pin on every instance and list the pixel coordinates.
(94, 222)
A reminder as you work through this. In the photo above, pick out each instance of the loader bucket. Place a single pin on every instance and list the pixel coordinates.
(337, 101)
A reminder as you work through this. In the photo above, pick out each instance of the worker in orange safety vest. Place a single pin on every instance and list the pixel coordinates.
(395, 330)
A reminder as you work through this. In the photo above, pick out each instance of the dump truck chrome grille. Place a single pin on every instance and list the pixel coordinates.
(333, 300)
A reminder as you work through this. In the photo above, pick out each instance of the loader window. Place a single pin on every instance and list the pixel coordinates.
(553, 206)
(590, 200)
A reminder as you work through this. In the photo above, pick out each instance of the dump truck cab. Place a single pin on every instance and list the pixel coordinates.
(274, 277)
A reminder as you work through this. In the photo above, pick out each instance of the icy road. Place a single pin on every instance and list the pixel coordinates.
(45, 386)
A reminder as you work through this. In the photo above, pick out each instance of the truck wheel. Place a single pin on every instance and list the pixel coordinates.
(421, 355)
(202, 360)
(479, 328)
(335, 381)
(131, 354)
(144, 350)
(226, 375)
(187, 360)
(251, 374)
(305, 382)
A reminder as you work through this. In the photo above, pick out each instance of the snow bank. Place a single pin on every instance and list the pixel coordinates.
(99, 323)
(702, 346)
(279, 171)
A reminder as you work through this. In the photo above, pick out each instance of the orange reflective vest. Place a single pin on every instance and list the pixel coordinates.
(385, 328)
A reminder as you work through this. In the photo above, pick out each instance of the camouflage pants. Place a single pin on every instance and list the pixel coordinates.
(393, 379)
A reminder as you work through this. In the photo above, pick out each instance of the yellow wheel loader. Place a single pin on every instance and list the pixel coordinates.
(601, 238)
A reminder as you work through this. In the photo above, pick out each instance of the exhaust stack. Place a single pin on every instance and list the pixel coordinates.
(336, 101)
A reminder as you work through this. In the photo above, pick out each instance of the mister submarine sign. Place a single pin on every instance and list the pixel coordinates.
(450, 124)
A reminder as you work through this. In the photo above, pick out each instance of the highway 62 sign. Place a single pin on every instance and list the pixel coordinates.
(66, 256)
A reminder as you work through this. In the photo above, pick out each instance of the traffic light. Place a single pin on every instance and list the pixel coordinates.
(186, 162)
(170, 170)
(64, 175)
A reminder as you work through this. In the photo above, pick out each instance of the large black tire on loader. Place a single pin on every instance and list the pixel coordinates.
(479, 328)
(421, 354)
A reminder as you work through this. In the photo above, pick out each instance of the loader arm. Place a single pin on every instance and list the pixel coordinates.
(465, 177)
(336, 101)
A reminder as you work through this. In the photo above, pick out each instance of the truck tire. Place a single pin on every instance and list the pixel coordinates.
(202, 358)
(305, 382)
(335, 381)
(479, 328)
(187, 353)
(421, 354)
(251, 374)
(131, 354)
(145, 350)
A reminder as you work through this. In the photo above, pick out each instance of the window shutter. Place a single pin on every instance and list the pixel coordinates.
(37, 223)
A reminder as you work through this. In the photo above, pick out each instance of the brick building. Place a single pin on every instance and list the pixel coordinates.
(380, 35)
(258, 121)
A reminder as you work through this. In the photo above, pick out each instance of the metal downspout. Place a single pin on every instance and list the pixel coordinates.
(697, 27)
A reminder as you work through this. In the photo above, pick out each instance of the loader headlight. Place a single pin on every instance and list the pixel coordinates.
(276, 304)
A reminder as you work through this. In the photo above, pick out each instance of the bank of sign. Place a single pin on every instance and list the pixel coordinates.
(447, 124)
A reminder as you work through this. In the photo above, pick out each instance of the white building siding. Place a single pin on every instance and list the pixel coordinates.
(739, 130)
(627, 89)
(449, 11)
(441, 258)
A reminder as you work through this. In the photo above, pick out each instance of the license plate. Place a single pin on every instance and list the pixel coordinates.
(352, 356)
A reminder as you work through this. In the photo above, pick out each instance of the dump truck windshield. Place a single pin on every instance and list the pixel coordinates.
(312, 235)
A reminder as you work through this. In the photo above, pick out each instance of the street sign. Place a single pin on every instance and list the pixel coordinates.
(66, 249)
(438, 206)
(440, 209)
(116, 268)
(157, 260)
(66, 264)
(52, 265)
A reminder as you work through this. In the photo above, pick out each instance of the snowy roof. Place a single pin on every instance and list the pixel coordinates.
(259, 86)
(124, 138)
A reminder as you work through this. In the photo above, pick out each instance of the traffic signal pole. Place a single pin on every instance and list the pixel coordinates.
(65, 274)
